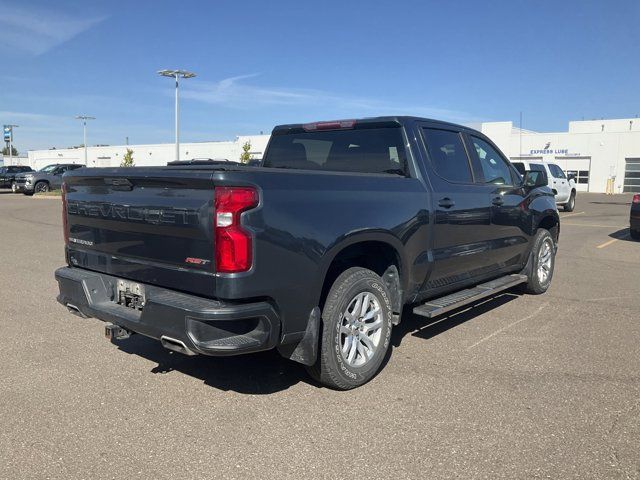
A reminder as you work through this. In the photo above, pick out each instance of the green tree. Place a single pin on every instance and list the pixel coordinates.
(14, 151)
(127, 160)
(245, 156)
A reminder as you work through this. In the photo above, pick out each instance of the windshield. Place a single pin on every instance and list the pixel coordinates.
(371, 150)
(48, 168)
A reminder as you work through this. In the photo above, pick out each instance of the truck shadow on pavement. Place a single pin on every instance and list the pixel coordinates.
(424, 328)
(255, 374)
(623, 234)
(267, 372)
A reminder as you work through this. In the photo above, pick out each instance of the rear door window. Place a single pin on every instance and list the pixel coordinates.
(447, 155)
(556, 171)
(367, 150)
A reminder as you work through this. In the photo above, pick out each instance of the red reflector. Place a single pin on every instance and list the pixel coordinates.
(636, 198)
(65, 226)
(234, 245)
(332, 125)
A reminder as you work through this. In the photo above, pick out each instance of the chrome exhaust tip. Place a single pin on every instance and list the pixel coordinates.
(176, 345)
(75, 310)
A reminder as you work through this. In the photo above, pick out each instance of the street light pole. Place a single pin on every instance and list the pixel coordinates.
(177, 121)
(11, 143)
(177, 74)
(84, 119)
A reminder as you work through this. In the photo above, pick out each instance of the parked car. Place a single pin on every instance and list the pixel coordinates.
(634, 217)
(316, 251)
(44, 180)
(8, 175)
(563, 186)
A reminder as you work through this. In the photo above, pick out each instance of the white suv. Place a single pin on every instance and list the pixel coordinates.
(564, 188)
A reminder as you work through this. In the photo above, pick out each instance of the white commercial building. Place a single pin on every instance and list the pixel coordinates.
(148, 155)
(594, 150)
(14, 160)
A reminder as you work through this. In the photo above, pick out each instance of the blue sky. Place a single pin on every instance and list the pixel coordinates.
(262, 63)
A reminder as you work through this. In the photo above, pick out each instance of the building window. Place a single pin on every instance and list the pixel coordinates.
(632, 175)
(581, 176)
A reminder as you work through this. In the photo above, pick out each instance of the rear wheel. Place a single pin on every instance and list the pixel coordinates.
(356, 330)
(41, 187)
(571, 204)
(542, 263)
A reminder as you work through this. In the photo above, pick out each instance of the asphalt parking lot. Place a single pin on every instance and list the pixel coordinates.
(517, 387)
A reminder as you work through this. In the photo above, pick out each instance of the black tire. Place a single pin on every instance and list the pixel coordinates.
(635, 234)
(537, 285)
(571, 204)
(333, 368)
(41, 187)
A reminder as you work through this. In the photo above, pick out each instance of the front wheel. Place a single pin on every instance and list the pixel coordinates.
(571, 204)
(41, 187)
(356, 330)
(542, 263)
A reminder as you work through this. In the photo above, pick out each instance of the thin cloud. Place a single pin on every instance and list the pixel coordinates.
(234, 93)
(38, 30)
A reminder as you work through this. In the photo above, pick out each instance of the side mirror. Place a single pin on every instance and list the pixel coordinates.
(571, 176)
(534, 179)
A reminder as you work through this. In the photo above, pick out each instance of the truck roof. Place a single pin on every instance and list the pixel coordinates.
(367, 122)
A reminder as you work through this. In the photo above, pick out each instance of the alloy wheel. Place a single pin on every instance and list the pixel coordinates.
(545, 259)
(361, 329)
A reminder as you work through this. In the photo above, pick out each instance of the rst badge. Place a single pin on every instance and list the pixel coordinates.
(197, 261)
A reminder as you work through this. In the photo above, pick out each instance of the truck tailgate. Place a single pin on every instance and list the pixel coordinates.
(149, 225)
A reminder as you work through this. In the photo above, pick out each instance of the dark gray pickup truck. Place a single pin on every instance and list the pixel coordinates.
(316, 251)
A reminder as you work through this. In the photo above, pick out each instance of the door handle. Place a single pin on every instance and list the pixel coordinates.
(446, 202)
(498, 201)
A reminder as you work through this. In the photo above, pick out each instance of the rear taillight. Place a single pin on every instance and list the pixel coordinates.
(234, 245)
(636, 198)
(65, 226)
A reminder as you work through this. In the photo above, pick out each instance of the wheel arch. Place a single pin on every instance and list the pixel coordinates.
(378, 251)
(550, 221)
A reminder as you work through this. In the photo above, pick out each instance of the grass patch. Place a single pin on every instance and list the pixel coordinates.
(52, 193)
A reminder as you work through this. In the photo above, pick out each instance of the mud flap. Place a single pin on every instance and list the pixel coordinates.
(306, 350)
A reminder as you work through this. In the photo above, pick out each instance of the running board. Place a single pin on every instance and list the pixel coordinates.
(441, 305)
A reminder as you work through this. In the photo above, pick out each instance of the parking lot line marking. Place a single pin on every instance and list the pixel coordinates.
(500, 330)
(571, 214)
(606, 244)
(595, 225)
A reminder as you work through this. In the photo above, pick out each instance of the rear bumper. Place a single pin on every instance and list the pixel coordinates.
(205, 326)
